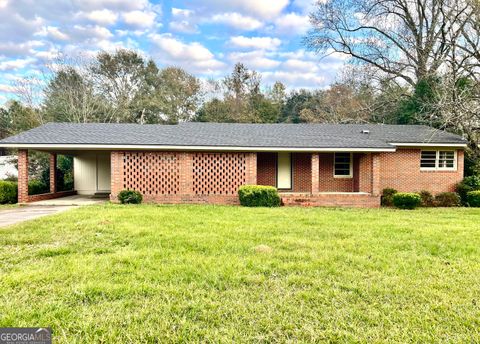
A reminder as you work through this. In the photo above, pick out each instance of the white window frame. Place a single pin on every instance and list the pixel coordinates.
(437, 160)
(350, 175)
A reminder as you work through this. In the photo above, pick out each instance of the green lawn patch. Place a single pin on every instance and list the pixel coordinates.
(117, 274)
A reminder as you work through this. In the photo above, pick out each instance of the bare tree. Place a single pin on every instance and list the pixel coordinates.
(404, 39)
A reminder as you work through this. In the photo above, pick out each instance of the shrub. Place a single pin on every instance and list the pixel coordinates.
(387, 197)
(8, 192)
(406, 200)
(36, 187)
(427, 199)
(258, 196)
(130, 197)
(473, 198)
(471, 183)
(447, 199)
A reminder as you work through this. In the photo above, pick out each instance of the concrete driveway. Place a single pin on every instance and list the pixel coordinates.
(38, 209)
(29, 212)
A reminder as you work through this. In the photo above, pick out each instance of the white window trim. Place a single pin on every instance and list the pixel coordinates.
(437, 160)
(351, 168)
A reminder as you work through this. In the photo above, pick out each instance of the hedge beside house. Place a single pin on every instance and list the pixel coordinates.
(258, 196)
(8, 192)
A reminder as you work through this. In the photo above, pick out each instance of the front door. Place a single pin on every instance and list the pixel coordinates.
(284, 171)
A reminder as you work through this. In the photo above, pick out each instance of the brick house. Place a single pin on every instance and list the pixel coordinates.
(310, 164)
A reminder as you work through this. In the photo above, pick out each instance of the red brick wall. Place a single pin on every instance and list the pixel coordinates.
(267, 169)
(302, 172)
(401, 170)
(327, 182)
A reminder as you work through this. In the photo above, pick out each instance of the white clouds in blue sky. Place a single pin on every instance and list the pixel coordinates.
(206, 37)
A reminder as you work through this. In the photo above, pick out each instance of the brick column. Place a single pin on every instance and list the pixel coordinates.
(22, 176)
(116, 174)
(251, 169)
(376, 174)
(315, 173)
(53, 172)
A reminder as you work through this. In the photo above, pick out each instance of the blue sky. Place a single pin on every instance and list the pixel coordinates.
(204, 37)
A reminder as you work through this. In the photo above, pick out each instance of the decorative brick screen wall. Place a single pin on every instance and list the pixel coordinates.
(218, 173)
(183, 177)
(152, 173)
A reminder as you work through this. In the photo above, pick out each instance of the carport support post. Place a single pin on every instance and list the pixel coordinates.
(22, 176)
(53, 172)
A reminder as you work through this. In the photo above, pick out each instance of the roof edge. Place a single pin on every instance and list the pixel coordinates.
(428, 144)
(52, 146)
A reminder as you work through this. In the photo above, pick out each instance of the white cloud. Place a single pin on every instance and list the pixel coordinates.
(300, 66)
(183, 21)
(104, 17)
(192, 56)
(140, 18)
(91, 32)
(294, 79)
(305, 6)
(17, 48)
(52, 32)
(7, 88)
(15, 64)
(267, 43)
(292, 24)
(262, 9)
(181, 12)
(254, 59)
(114, 5)
(237, 21)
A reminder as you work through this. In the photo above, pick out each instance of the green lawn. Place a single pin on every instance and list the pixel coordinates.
(118, 274)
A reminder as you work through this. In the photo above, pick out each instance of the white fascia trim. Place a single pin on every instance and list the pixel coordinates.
(459, 145)
(190, 148)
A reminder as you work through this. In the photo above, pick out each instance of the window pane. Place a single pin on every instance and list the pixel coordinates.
(342, 164)
(428, 159)
(446, 159)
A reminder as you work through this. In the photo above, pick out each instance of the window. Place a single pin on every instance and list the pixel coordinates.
(438, 160)
(342, 165)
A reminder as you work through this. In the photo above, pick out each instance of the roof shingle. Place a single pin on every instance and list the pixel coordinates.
(234, 135)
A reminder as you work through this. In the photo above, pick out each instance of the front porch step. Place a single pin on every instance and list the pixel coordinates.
(356, 200)
(101, 195)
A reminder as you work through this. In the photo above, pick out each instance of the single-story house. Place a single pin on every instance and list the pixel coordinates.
(310, 164)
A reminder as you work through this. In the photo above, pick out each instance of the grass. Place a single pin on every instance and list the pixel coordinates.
(147, 273)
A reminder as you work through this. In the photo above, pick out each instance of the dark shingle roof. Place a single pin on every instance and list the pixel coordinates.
(234, 135)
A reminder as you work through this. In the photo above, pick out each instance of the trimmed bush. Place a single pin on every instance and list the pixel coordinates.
(130, 197)
(258, 196)
(427, 198)
(447, 199)
(471, 183)
(406, 200)
(8, 192)
(36, 187)
(387, 197)
(473, 198)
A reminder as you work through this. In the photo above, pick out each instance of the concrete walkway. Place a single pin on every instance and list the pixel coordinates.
(38, 209)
